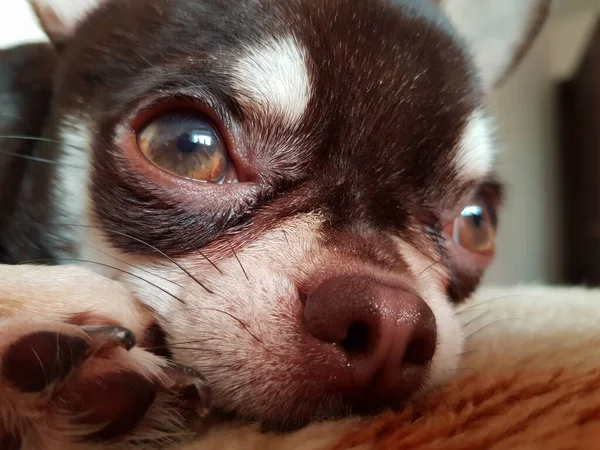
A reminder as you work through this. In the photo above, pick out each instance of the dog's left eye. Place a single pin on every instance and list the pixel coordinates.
(474, 230)
(188, 146)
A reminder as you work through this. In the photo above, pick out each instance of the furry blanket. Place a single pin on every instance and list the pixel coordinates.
(530, 379)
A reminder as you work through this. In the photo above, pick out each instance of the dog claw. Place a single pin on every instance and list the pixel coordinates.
(104, 338)
(192, 387)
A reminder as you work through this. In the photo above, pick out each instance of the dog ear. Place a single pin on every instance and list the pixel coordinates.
(60, 18)
(499, 32)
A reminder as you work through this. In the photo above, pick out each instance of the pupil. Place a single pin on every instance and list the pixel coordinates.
(186, 144)
(475, 214)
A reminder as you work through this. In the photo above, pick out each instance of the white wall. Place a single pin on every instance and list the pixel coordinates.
(529, 239)
(17, 24)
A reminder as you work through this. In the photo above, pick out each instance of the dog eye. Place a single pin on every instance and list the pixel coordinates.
(474, 229)
(188, 146)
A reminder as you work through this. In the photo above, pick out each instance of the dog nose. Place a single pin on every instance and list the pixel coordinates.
(386, 335)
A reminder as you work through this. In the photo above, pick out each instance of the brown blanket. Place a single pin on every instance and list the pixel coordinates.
(530, 379)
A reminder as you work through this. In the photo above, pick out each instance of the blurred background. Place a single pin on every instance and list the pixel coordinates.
(550, 228)
(548, 116)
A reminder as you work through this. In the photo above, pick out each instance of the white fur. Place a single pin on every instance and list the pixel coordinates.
(476, 151)
(450, 336)
(72, 178)
(275, 76)
(73, 212)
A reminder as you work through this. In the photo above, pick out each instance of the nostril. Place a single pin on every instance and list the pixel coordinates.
(419, 352)
(356, 341)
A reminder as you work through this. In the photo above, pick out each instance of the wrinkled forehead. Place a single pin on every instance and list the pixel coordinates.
(304, 86)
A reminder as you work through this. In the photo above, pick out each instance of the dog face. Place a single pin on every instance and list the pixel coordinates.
(300, 189)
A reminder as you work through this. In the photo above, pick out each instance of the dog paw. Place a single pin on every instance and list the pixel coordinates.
(90, 384)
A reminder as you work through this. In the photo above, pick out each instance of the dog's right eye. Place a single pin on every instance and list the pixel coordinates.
(187, 145)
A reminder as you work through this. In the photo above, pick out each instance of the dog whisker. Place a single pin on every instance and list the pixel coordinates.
(484, 302)
(238, 259)
(285, 236)
(478, 317)
(209, 261)
(242, 323)
(87, 261)
(244, 326)
(46, 381)
(41, 139)
(134, 266)
(141, 241)
(200, 349)
(37, 159)
(495, 322)
(192, 341)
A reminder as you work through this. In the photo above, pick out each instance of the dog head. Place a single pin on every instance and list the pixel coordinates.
(300, 189)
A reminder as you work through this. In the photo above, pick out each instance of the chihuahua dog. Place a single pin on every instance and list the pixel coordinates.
(277, 199)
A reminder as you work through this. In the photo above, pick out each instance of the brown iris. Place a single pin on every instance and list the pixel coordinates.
(186, 145)
(474, 229)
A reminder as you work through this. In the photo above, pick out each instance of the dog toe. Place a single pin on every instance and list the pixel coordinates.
(114, 401)
(10, 441)
(41, 359)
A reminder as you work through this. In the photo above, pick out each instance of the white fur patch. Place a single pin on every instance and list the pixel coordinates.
(71, 189)
(476, 151)
(275, 76)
